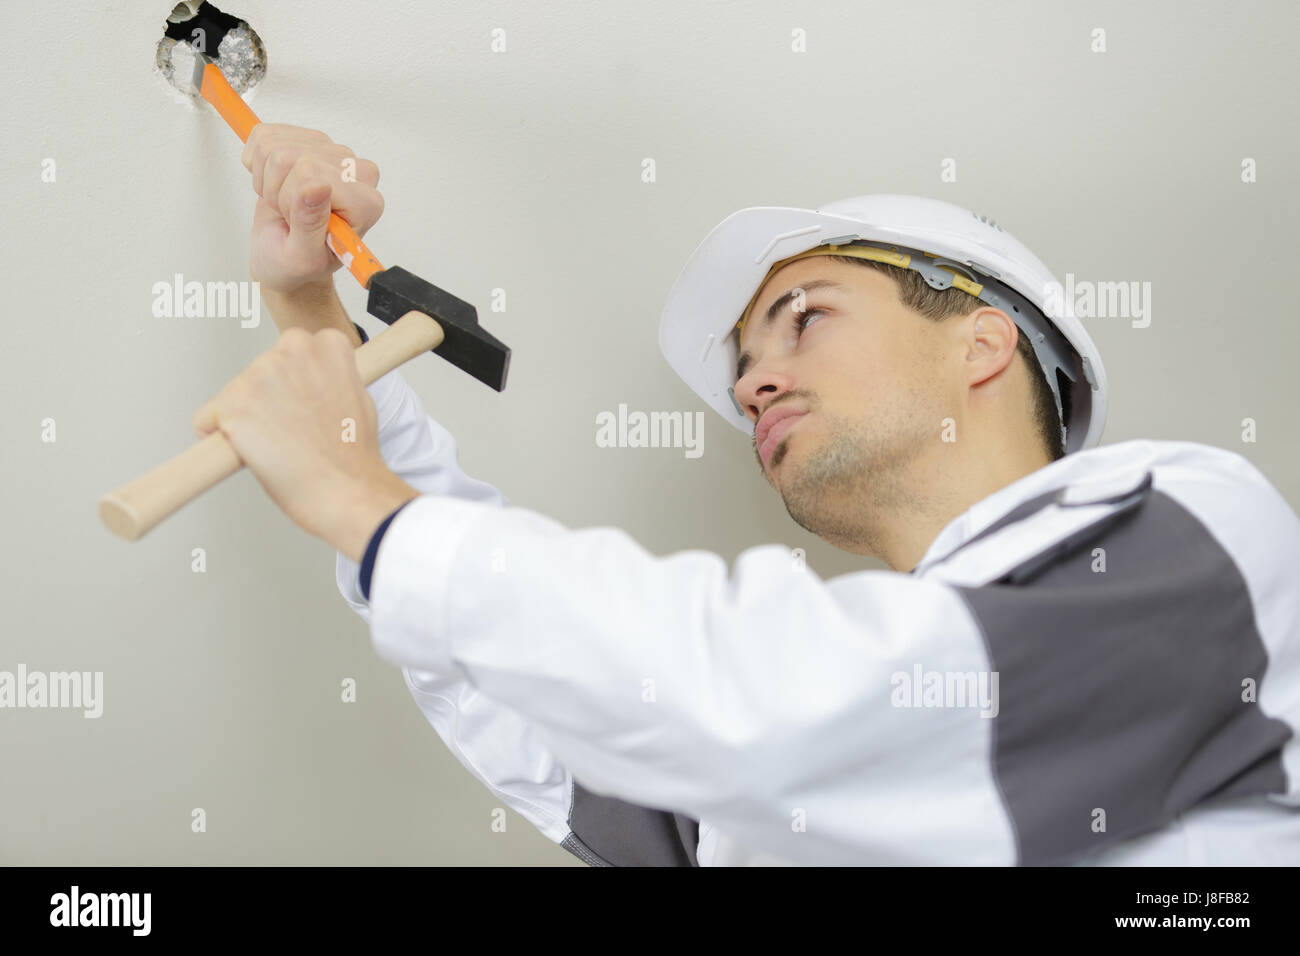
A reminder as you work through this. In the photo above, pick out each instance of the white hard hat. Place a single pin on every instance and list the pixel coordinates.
(950, 246)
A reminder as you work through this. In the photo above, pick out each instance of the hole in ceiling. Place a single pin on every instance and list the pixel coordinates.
(234, 45)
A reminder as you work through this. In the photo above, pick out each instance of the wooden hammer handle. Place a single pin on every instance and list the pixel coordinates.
(130, 511)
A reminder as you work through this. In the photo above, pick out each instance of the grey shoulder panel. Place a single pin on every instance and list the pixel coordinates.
(1121, 683)
(606, 831)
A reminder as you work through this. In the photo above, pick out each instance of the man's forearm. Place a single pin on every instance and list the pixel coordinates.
(359, 509)
(311, 307)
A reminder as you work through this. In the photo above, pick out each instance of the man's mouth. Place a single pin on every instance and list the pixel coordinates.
(775, 434)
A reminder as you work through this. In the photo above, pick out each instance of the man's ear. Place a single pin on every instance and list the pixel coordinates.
(991, 343)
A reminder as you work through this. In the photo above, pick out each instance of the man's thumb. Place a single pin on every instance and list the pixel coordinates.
(309, 220)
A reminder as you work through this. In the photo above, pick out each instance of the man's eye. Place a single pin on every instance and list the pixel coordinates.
(802, 321)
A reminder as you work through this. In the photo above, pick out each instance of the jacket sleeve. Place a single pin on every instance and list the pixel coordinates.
(495, 743)
(763, 700)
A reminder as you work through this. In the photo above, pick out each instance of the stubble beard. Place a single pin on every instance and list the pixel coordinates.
(859, 473)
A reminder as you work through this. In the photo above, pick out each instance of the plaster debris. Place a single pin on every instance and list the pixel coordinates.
(169, 63)
(240, 57)
(185, 10)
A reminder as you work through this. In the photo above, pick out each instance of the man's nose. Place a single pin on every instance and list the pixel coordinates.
(760, 387)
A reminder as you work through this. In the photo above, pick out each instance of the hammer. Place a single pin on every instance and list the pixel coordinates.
(421, 315)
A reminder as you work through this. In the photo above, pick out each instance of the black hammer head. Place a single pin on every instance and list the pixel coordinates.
(394, 292)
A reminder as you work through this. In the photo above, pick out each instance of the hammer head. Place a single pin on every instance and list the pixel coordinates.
(394, 292)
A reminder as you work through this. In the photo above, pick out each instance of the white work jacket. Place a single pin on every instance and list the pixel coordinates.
(1097, 664)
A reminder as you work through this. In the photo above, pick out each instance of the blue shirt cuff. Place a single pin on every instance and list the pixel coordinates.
(372, 551)
(361, 332)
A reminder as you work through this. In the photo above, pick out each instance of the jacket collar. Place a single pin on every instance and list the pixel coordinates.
(1083, 477)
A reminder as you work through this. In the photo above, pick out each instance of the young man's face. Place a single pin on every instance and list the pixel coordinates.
(871, 381)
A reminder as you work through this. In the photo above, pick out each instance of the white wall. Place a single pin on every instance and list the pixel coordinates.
(521, 170)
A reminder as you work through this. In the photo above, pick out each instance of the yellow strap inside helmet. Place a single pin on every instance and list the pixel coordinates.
(891, 257)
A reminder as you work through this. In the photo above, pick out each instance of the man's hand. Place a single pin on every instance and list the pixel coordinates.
(299, 175)
(306, 427)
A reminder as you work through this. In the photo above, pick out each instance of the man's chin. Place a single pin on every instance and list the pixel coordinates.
(781, 463)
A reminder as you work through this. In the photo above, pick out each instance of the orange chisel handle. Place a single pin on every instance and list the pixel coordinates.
(342, 240)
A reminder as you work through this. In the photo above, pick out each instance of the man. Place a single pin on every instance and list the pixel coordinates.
(1079, 654)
